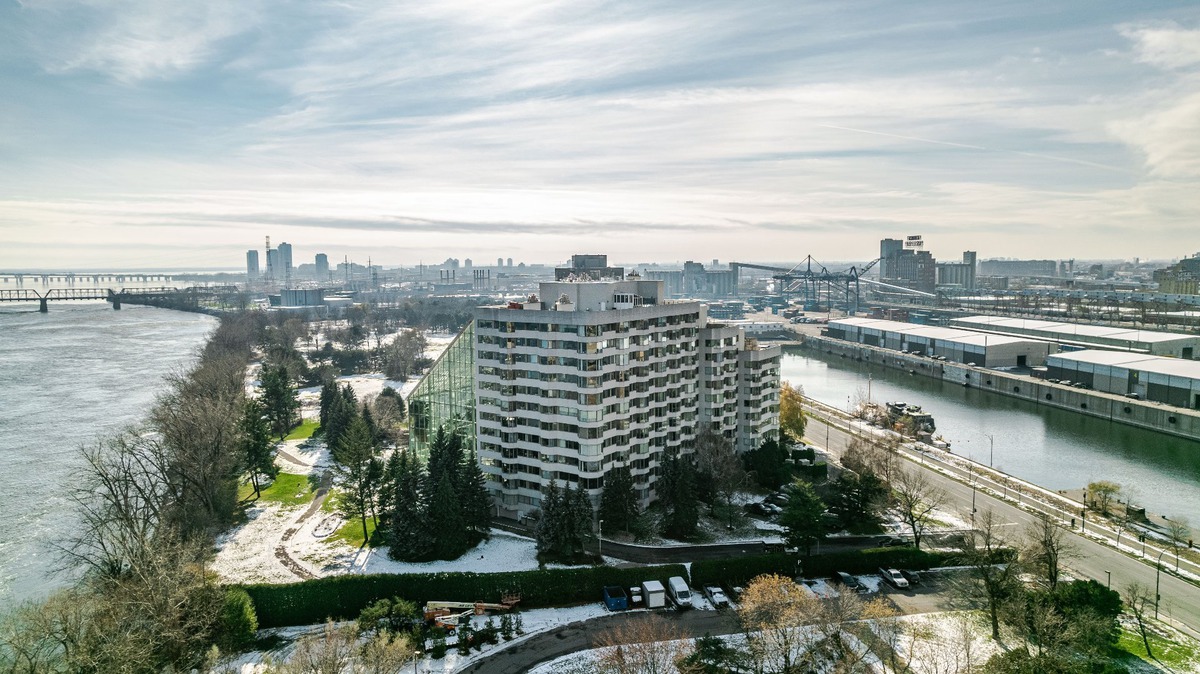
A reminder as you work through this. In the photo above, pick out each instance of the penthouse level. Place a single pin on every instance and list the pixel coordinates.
(953, 344)
(587, 376)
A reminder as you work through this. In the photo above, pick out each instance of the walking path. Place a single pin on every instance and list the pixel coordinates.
(281, 552)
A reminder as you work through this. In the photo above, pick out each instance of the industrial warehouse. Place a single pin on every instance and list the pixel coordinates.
(1166, 380)
(1089, 336)
(953, 344)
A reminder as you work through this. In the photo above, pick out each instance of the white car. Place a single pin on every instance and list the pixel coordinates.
(894, 578)
(716, 596)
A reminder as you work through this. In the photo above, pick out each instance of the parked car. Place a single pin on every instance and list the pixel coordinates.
(716, 596)
(843, 578)
(679, 592)
(913, 577)
(894, 542)
(778, 499)
(894, 578)
(757, 508)
(1133, 396)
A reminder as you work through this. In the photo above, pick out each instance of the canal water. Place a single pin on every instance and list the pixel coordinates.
(68, 377)
(1053, 448)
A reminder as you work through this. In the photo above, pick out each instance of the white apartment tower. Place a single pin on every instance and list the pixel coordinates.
(590, 375)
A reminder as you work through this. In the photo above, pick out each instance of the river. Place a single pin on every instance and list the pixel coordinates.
(66, 378)
(1054, 448)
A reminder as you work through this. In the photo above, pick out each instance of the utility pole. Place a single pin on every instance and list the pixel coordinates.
(991, 448)
(1157, 580)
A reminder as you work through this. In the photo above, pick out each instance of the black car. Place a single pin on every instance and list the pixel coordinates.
(913, 577)
(843, 578)
(757, 508)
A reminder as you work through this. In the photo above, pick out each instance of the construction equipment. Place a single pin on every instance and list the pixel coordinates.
(442, 613)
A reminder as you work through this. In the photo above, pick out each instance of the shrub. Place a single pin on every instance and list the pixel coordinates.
(740, 570)
(344, 597)
(238, 623)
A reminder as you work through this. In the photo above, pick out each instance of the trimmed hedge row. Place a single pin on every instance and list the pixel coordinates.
(739, 571)
(344, 597)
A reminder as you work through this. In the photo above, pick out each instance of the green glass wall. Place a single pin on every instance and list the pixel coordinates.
(445, 396)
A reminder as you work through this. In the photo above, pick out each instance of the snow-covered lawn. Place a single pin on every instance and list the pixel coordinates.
(502, 552)
(247, 553)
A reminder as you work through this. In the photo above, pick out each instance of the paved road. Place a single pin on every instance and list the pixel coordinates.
(1180, 600)
(581, 636)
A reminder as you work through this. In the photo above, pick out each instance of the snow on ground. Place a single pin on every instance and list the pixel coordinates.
(302, 457)
(247, 554)
(502, 552)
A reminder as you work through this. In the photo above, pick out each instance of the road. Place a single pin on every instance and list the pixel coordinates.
(582, 636)
(1180, 600)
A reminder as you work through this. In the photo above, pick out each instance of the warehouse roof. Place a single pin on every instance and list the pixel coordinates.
(1076, 329)
(1176, 367)
(933, 332)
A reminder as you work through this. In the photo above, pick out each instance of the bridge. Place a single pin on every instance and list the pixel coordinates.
(188, 299)
(10, 279)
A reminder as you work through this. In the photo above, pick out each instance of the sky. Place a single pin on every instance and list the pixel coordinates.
(150, 134)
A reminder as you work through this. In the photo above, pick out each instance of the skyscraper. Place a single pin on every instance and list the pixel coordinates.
(322, 267)
(285, 260)
(251, 265)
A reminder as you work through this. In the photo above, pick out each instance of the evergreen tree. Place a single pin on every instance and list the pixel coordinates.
(329, 393)
(579, 514)
(279, 399)
(768, 464)
(477, 503)
(446, 522)
(678, 491)
(369, 419)
(354, 455)
(550, 526)
(341, 414)
(445, 459)
(618, 501)
(802, 517)
(257, 449)
(410, 535)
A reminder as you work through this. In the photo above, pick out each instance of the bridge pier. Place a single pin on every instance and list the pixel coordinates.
(116, 303)
(43, 305)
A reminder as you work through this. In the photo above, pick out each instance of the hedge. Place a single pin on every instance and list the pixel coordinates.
(344, 597)
(740, 570)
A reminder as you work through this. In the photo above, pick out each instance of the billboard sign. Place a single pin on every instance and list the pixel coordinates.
(914, 242)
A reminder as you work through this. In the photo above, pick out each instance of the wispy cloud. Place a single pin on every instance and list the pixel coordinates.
(694, 129)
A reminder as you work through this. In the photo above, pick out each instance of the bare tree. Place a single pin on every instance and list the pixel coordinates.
(993, 565)
(916, 497)
(946, 652)
(1141, 604)
(1179, 533)
(645, 645)
(882, 459)
(716, 457)
(1048, 548)
(330, 651)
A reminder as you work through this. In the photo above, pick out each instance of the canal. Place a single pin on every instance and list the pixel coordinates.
(1053, 448)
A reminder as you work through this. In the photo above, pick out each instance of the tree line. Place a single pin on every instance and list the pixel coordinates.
(150, 502)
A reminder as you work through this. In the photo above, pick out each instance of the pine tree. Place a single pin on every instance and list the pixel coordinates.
(341, 414)
(279, 399)
(549, 530)
(580, 514)
(354, 454)
(410, 533)
(618, 501)
(477, 503)
(258, 451)
(446, 522)
(329, 392)
(678, 491)
(369, 419)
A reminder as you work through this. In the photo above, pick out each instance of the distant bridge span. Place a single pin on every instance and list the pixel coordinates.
(138, 296)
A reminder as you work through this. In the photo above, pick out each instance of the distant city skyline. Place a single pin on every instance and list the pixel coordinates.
(143, 135)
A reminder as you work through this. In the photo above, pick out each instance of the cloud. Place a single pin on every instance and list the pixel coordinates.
(1165, 46)
(134, 40)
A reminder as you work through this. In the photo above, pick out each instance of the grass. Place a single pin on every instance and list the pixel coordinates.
(287, 489)
(1173, 654)
(351, 532)
(305, 430)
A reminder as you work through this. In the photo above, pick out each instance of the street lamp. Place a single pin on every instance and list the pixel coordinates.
(1157, 580)
(600, 539)
(416, 654)
(991, 448)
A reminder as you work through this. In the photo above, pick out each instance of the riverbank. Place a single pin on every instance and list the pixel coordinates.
(1153, 416)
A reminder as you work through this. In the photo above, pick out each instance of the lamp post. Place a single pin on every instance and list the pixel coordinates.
(416, 654)
(600, 539)
(1157, 580)
(991, 448)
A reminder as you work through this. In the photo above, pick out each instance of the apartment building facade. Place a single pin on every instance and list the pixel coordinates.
(591, 375)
